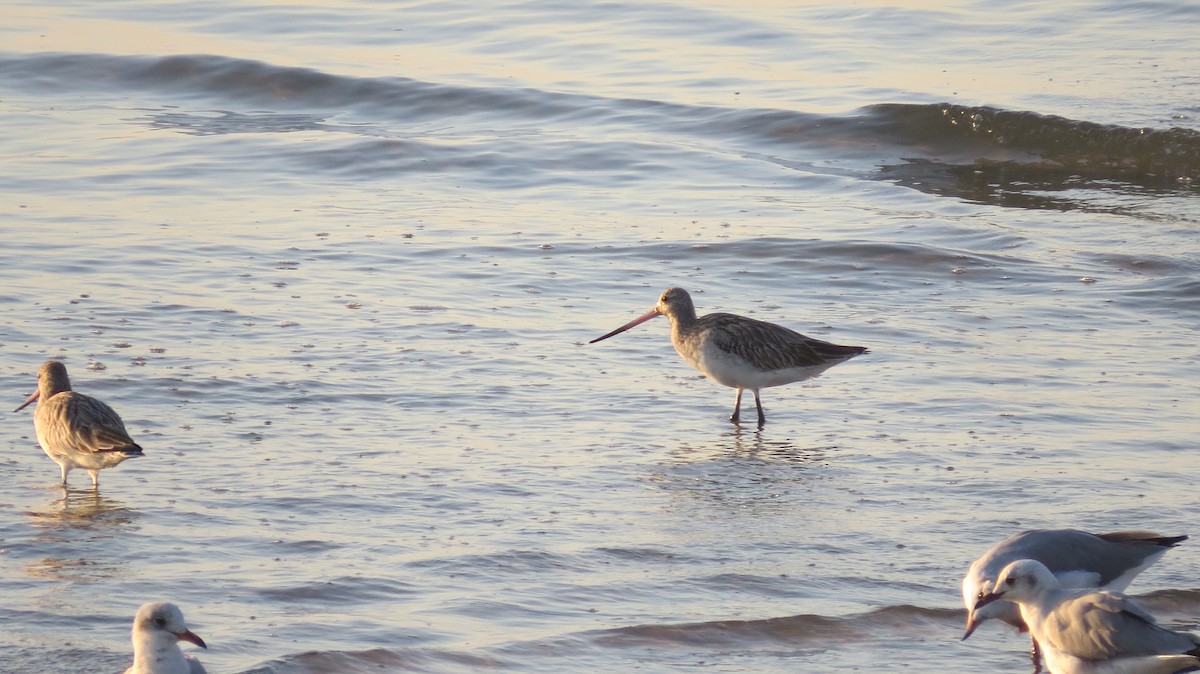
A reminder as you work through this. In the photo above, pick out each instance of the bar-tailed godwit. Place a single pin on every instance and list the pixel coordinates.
(157, 630)
(75, 430)
(739, 352)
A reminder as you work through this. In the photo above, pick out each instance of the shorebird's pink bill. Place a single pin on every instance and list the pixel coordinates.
(35, 396)
(635, 322)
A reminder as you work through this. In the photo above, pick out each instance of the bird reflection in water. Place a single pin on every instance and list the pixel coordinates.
(740, 443)
(81, 516)
(741, 471)
(84, 509)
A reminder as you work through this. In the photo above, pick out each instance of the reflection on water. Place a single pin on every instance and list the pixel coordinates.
(226, 122)
(82, 509)
(743, 444)
(76, 570)
(78, 530)
(741, 470)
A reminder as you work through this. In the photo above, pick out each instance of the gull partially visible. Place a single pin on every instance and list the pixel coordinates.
(76, 430)
(157, 630)
(1091, 631)
(1077, 558)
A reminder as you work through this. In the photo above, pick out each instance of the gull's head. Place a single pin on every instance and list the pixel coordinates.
(1021, 581)
(163, 621)
(975, 588)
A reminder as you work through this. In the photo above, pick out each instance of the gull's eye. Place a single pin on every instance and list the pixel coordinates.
(161, 622)
(1010, 581)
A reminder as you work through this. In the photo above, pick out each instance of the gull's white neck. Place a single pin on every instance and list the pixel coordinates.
(1035, 610)
(158, 654)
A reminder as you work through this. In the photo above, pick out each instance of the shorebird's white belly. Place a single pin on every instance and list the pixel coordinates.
(735, 372)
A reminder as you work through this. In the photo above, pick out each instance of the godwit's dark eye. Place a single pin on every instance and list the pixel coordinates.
(1010, 581)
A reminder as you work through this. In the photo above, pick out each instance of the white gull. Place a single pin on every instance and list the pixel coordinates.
(157, 630)
(1077, 558)
(1091, 631)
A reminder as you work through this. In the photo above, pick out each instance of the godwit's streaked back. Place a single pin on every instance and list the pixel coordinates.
(739, 352)
(157, 630)
(75, 430)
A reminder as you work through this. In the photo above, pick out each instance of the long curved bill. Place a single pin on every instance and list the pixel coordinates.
(188, 635)
(637, 321)
(31, 399)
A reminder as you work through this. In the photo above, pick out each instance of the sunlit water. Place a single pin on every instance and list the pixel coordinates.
(337, 265)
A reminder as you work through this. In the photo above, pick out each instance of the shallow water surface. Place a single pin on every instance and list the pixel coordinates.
(337, 267)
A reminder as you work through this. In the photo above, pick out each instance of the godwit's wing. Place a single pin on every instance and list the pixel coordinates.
(73, 421)
(769, 347)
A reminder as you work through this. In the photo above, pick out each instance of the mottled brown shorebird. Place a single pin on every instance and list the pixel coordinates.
(75, 430)
(739, 352)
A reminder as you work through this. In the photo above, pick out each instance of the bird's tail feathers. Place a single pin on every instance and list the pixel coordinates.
(130, 451)
(1144, 536)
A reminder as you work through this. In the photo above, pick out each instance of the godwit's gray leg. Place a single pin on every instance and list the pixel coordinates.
(737, 408)
(762, 418)
(1035, 654)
